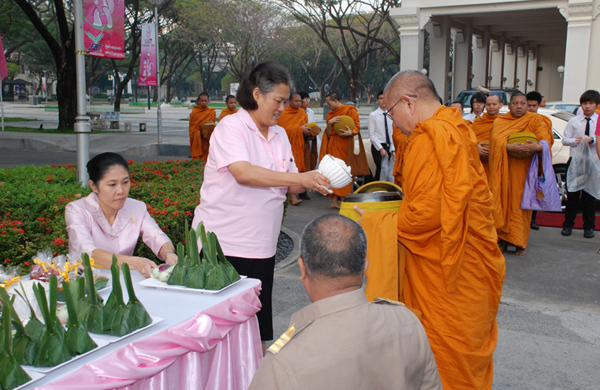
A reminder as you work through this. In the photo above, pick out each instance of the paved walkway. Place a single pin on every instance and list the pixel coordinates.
(549, 317)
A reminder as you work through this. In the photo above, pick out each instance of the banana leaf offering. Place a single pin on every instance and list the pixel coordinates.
(138, 316)
(211, 272)
(12, 374)
(25, 343)
(77, 338)
(91, 307)
(53, 349)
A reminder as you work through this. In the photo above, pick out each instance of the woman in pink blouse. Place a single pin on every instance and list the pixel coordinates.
(249, 171)
(107, 222)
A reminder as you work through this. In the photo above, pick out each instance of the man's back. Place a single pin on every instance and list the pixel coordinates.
(345, 342)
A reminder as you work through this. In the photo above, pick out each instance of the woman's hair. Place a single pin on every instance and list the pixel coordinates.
(98, 166)
(265, 76)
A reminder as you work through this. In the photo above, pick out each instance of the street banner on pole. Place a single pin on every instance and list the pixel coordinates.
(148, 56)
(104, 28)
(3, 67)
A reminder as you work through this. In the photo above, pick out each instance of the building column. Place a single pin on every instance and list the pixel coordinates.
(496, 62)
(510, 58)
(532, 65)
(480, 58)
(412, 38)
(521, 73)
(439, 64)
(462, 61)
(579, 29)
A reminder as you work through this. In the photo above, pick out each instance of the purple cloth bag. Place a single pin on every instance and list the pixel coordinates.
(541, 192)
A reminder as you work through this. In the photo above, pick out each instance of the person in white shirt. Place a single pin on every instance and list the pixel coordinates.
(382, 147)
(477, 105)
(580, 130)
(305, 101)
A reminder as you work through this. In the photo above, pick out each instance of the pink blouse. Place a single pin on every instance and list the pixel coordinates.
(246, 219)
(89, 229)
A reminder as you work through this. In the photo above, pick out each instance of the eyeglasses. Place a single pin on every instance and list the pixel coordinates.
(389, 111)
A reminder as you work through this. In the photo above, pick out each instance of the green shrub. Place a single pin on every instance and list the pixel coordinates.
(33, 200)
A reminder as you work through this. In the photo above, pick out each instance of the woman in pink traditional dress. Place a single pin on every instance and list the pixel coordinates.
(107, 222)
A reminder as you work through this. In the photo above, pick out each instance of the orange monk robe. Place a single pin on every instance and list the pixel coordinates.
(226, 111)
(454, 270)
(507, 175)
(400, 140)
(198, 144)
(292, 120)
(338, 146)
(482, 128)
(311, 154)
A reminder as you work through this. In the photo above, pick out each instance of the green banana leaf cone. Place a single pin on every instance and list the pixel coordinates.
(24, 347)
(77, 338)
(230, 271)
(216, 279)
(138, 315)
(95, 314)
(195, 277)
(121, 322)
(12, 374)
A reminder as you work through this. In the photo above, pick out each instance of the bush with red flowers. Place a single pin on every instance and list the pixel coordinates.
(33, 200)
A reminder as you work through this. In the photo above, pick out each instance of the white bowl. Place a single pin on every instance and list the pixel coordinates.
(336, 170)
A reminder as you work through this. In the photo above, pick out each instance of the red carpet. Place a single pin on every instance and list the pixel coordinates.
(557, 219)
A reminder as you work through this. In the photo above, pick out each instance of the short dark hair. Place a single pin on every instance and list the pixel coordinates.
(98, 165)
(304, 94)
(517, 94)
(333, 96)
(591, 95)
(379, 94)
(265, 76)
(534, 95)
(229, 97)
(333, 246)
(203, 94)
(479, 96)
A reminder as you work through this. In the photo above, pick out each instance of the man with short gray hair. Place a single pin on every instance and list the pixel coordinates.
(341, 340)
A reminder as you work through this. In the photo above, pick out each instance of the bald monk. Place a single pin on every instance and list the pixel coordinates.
(447, 266)
(231, 103)
(482, 127)
(311, 154)
(507, 174)
(338, 144)
(293, 119)
(400, 140)
(201, 114)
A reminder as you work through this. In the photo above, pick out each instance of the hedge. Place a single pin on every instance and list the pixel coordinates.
(33, 200)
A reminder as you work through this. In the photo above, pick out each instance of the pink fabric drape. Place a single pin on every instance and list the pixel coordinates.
(219, 348)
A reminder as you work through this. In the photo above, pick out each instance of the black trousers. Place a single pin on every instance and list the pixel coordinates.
(578, 199)
(377, 160)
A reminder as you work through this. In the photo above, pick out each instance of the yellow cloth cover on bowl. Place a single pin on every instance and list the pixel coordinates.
(347, 208)
(521, 138)
(340, 126)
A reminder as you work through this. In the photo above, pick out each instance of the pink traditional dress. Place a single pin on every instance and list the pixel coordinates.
(89, 229)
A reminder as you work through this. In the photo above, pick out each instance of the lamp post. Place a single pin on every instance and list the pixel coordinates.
(156, 3)
(82, 121)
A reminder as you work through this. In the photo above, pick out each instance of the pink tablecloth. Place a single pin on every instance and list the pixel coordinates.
(218, 348)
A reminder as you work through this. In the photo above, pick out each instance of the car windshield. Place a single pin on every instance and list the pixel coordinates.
(565, 116)
(465, 97)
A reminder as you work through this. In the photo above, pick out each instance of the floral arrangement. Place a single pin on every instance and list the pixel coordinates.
(33, 200)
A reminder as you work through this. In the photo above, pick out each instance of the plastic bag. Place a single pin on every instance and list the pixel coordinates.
(541, 192)
(584, 171)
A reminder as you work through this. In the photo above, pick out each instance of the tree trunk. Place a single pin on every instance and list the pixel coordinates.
(66, 88)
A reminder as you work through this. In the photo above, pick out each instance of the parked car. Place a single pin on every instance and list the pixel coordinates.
(465, 96)
(564, 106)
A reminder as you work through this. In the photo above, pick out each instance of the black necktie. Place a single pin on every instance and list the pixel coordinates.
(587, 127)
(387, 135)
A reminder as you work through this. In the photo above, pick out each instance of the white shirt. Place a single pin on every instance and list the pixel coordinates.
(471, 116)
(311, 114)
(576, 128)
(377, 129)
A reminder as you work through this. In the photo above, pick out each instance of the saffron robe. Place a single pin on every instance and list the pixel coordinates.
(482, 127)
(311, 153)
(400, 140)
(198, 144)
(226, 111)
(338, 146)
(292, 120)
(507, 175)
(447, 244)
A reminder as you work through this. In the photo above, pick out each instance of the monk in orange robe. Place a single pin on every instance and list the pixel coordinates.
(447, 266)
(482, 127)
(400, 140)
(507, 173)
(293, 119)
(201, 114)
(231, 108)
(338, 144)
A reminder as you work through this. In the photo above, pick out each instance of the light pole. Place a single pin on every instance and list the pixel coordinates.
(156, 3)
(82, 121)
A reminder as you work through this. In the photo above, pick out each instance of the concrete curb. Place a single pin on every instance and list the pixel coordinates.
(294, 255)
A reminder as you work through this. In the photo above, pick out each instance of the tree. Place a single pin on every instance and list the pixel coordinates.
(357, 24)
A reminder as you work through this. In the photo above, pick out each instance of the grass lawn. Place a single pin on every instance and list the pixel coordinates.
(19, 120)
(50, 131)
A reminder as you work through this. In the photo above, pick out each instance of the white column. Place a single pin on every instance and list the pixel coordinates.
(462, 63)
(496, 57)
(439, 64)
(579, 29)
(412, 38)
(480, 49)
(532, 64)
(521, 82)
(509, 64)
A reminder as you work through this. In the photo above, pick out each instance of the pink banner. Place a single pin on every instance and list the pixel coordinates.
(148, 66)
(3, 67)
(104, 28)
